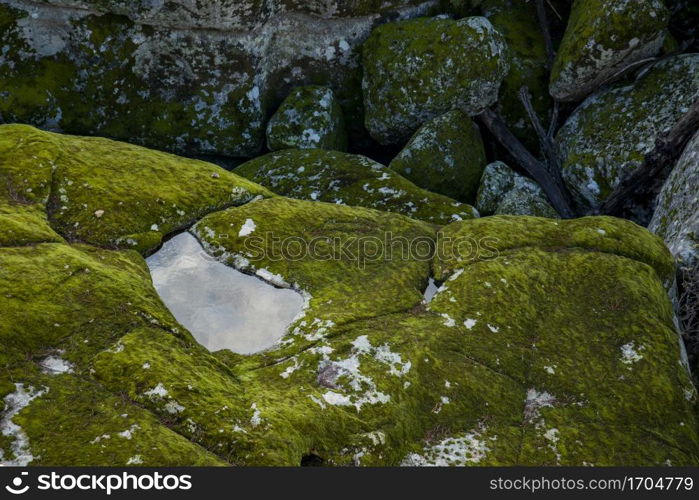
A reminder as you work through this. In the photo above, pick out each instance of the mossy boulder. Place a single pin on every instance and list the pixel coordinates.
(309, 118)
(446, 155)
(347, 179)
(108, 193)
(191, 81)
(419, 69)
(676, 217)
(368, 375)
(505, 192)
(612, 131)
(604, 38)
(568, 415)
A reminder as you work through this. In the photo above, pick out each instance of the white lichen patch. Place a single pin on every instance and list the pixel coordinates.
(631, 354)
(14, 403)
(467, 449)
(55, 365)
(247, 228)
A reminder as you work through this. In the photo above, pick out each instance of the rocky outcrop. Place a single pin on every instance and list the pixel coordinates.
(90, 349)
(419, 69)
(198, 80)
(612, 131)
(347, 179)
(446, 155)
(603, 39)
(309, 118)
(676, 217)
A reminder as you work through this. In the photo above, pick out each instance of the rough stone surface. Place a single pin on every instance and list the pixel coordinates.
(505, 192)
(419, 69)
(309, 118)
(168, 75)
(354, 180)
(603, 38)
(367, 374)
(612, 131)
(676, 218)
(103, 192)
(446, 155)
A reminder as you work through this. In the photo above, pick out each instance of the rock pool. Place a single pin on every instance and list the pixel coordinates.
(222, 307)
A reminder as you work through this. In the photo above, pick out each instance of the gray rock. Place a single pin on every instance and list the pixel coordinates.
(309, 118)
(603, 38)
(612, 131)
(168, 75)
(505, 192)
(419, 69)
(446, 155)
(676, 218)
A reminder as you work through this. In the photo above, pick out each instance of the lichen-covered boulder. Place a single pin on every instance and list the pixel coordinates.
(526, 51)
(612, 131)
(603, 38)
(419, 69)
(505, 192)
(446, 155)
(368, 373)
(62, 305)
(104, 192)
(579, 385)
(676, 217)
(347, 179)
(188, 80)
(309, 118)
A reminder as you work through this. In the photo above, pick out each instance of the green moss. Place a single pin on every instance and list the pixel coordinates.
(53, 294)
(562, 357)
(310, 117)
(602, 38)
(98, 428)
(446, 156)
(609, 134)
(330, 251)
(25, 225)
(350, 180)
(113, 194)
(411, 73)
(101, 83)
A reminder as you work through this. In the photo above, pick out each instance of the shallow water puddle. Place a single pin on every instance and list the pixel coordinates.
(430, 291)
(222, 307)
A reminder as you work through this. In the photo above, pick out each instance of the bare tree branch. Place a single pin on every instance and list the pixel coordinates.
(667, 150)
(550, 181)
(548, 147)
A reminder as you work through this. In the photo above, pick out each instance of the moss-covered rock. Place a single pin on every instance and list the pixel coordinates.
(505, 192)
(368, 375)
(309, 118)
(446, 155)
(188, 80)
(110, 193)
(588, 392)
(354, 180)
(603, 38)
(612, 131)
(419, 69)
(676, 217)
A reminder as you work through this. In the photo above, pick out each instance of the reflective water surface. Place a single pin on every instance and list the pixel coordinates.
(222, 307)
